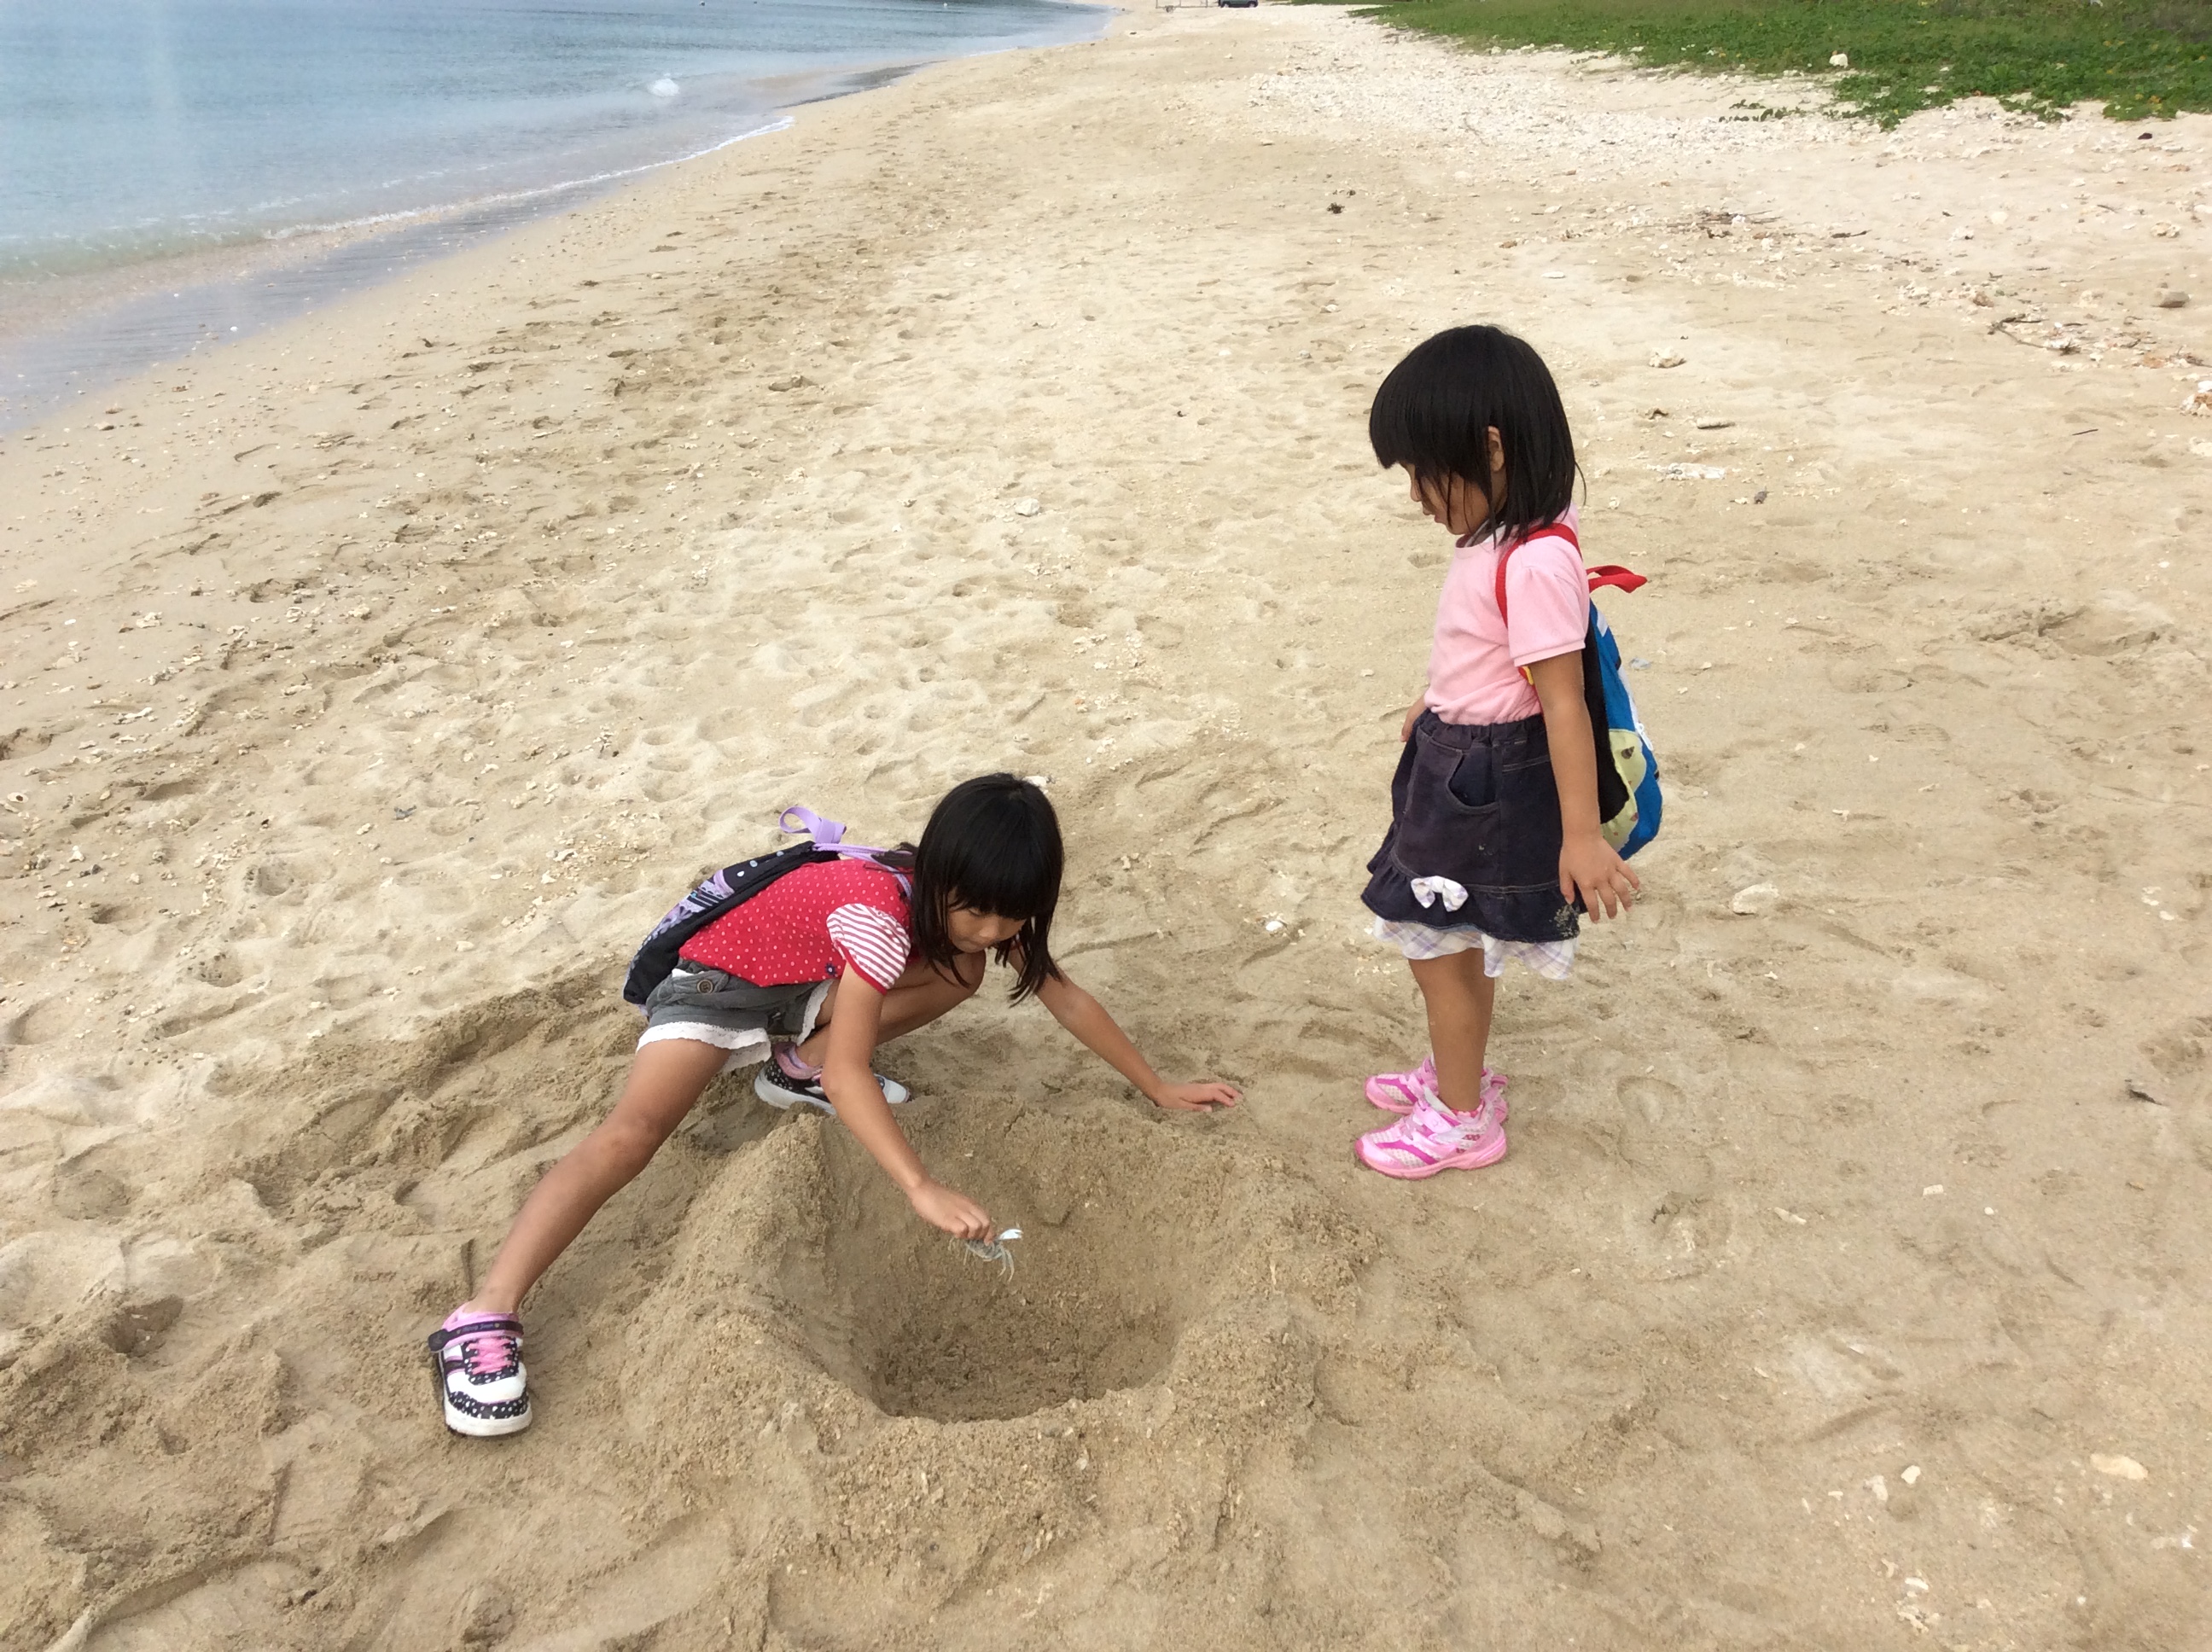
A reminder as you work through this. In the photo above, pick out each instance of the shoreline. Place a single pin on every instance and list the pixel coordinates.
(83, 336)
(373, 685)
(73, 335)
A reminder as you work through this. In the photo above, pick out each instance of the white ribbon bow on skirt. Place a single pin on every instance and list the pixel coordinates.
(1427, 889)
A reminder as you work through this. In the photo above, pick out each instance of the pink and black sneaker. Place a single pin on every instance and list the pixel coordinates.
(1401, 1092)
(784, 1081)
(481, 1381)
(1433, 1137)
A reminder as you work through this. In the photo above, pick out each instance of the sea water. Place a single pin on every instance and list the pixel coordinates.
(136, 126)
(138, 136)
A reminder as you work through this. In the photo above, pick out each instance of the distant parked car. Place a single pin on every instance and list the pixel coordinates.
(1236, 5)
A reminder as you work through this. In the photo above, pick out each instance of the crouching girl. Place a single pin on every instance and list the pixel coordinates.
(843, 953)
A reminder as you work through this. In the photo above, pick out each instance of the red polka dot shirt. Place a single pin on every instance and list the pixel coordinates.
(811, 925)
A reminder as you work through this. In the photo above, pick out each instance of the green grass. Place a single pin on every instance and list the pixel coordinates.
(2140, 59)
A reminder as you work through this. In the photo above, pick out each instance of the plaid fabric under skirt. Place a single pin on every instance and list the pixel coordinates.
(1550, 959)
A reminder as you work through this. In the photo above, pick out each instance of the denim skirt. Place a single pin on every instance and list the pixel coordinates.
(708, 1006)
(1474, 818)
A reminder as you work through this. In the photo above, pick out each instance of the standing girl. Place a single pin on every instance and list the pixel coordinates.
(1494, 846)
(812, 974)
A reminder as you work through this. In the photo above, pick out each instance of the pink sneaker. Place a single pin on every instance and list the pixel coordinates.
(1433, 1138)
(482, 1384)
(1400, 1092)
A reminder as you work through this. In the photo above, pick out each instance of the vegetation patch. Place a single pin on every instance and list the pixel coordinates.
(1888, 58)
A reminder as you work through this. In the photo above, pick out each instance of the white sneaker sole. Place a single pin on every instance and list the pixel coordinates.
(484, 1428)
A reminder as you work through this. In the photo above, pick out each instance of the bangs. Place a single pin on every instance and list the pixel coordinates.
(1430, 419)
(1007, 875)
(992, 846)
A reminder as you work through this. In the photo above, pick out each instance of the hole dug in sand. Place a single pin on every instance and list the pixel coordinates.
(1121, 1231)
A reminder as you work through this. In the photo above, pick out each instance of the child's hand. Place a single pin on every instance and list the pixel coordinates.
(957, 1214)
(1412, 716)
(1588, 867)
(1196, 1097)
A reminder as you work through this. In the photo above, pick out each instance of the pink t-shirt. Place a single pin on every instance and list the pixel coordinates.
(1474, 674)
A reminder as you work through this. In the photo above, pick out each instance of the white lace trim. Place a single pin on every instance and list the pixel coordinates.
(747, 1046)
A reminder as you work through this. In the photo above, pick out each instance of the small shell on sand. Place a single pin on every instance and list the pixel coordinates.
(1757, 899)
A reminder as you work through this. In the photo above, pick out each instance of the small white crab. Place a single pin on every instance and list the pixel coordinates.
(994, 1250)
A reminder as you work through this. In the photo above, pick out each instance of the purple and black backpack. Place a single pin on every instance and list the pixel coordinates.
(731, 888)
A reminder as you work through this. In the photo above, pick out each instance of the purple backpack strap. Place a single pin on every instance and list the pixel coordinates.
(827, 834)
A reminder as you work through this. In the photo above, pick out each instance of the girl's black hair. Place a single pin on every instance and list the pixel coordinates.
(1434, 413)
(992, 846)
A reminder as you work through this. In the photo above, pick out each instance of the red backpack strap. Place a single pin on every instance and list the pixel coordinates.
(1621, 578)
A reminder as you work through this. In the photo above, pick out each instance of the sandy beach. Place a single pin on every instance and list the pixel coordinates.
(368, 687)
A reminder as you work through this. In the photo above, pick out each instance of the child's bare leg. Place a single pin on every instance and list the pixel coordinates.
(1460, 998)
(664, 1080)
(918, 997)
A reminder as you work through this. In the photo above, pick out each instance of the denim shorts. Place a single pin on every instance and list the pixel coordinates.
(1474, 805)
(707, 1006)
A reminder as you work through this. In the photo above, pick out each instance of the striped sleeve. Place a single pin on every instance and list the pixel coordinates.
(870, 941)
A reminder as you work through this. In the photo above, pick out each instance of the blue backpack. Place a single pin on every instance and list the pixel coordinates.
(1628, 800)
(732, 887)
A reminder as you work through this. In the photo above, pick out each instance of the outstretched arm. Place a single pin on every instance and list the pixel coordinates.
(847, 1075)
(1084, 1017)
